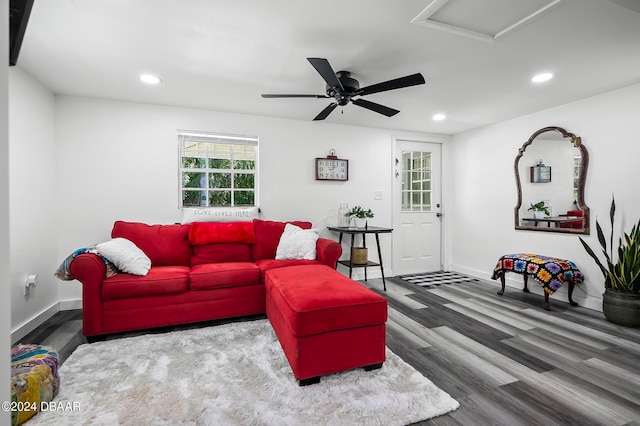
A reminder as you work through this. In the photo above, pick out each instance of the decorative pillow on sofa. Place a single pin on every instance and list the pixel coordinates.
(125, 255)
(268, 234)
(297, 243)
(221, 232)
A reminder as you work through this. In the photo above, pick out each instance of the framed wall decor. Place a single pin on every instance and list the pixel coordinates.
(332, 168)
(540, 174)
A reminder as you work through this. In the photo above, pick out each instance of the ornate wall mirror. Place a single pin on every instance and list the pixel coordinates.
(550, 169)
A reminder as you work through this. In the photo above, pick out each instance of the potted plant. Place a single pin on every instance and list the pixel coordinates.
(360, 216)
(621, 298)
(539, 210)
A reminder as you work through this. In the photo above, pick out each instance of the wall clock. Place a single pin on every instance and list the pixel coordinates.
(332, 168)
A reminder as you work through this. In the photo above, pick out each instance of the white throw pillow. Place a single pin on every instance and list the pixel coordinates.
(297, 243)
(125, 255)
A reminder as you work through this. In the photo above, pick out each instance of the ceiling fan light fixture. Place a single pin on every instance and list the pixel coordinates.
(150, 79)
(542, 77)
(439, 117)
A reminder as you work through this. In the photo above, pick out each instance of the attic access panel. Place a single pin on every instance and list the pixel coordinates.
(487, 20)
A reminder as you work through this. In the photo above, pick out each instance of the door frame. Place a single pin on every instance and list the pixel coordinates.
(434, 139)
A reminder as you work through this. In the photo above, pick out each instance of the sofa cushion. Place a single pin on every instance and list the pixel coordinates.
(228, 274)
(222, 252)
(269, 264)
(314, 299)
(221, 232)
(166, 245)
(268, 236)
(160, 280)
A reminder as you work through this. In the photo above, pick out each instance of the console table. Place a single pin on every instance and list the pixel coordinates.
(376, 230)
(555, 220)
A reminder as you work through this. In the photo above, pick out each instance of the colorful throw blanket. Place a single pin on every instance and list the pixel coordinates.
(549, 272)
(64, 273)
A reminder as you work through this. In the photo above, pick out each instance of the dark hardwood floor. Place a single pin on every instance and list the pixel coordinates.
(505, 359)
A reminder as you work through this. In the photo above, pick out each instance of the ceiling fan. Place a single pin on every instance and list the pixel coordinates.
(342, 88)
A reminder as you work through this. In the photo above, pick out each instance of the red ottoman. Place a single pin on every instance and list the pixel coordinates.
(325, 322)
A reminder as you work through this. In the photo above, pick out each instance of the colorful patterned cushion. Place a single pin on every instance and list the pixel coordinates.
(34, 379)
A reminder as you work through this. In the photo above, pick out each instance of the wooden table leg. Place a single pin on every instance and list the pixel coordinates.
(571, 286)
(546, 301)
(364, 245)
(384, 284)
(501, 292)
(350, 255)
(526, 279)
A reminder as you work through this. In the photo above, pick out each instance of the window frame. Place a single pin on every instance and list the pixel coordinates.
(186, 137)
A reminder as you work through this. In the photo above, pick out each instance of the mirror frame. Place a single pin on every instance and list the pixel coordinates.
(577, 142)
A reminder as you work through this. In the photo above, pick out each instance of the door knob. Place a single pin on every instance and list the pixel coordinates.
(438, 214)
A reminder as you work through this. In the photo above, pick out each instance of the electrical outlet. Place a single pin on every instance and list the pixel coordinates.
(377, 195)
(32, 279)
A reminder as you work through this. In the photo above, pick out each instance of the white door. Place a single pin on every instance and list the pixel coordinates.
(416, 211)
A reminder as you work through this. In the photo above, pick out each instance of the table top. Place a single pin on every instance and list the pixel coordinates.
(354, 230)
(554, 219)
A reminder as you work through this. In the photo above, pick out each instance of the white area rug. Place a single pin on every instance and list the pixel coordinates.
(231, 374)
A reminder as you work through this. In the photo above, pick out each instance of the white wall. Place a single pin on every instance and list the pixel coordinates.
(119, 160)
(482, 185)
(32, 200)
(5, 302)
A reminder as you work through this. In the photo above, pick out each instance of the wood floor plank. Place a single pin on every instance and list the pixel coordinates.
(477, 305)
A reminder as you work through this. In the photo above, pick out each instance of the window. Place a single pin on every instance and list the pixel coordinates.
(577, 169)
(218, 170)
(416, 181)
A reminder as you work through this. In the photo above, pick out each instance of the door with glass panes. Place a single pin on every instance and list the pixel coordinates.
(417, 219)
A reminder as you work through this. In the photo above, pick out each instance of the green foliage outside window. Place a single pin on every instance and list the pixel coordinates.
(217, 174)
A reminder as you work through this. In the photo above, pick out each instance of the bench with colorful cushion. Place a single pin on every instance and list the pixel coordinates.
(549, 272)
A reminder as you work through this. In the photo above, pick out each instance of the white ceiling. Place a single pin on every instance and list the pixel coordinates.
(222, 54)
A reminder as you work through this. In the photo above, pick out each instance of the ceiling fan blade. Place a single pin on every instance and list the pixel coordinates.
(326, 72)
(381, 109)
(325, 112)
(397, 83)
(275, 95)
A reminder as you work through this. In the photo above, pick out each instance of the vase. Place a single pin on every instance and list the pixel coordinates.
(343, 215)
(359, 255)
(538, 214)
(621, 308)
(360, 222)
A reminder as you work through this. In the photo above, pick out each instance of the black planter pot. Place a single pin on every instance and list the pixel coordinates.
(621, 308)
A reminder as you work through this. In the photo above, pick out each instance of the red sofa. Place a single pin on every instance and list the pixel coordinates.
(190, 279)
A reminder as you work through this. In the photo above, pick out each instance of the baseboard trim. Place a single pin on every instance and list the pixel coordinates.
(70, 305)
(34, 323)
(38, 320)
(515, 281)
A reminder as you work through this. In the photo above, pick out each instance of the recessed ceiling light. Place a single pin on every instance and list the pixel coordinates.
(545, 76)
(439, 117)
(150, 79)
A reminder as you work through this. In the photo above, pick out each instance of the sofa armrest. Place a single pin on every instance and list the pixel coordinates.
(328, 252)
(90, 270)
